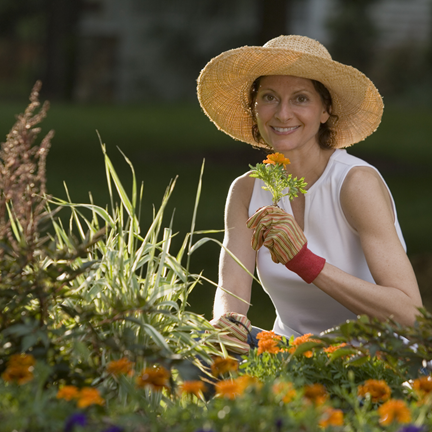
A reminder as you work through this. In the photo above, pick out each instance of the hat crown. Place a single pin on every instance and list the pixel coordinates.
(301, 44)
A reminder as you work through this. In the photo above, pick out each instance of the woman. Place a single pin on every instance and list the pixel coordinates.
(291, 97)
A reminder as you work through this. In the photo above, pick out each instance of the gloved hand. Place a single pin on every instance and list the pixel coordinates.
(237, 327)
(280, 233)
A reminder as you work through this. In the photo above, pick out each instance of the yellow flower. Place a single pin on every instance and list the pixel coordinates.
(222, 365)
(229, 388)
(285, 391)
(423, 386)
(331, 417)
(192, 387)
(120, 367)
(315, 393)
(277, 158)
(301, 340)
(89, 396)
(68, 393)
(155, 377)
(394, 410)
(378, 390)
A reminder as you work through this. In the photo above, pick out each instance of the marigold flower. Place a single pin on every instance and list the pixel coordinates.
(285, 390)
(331, 417)
(423, 386)
(21, 360)
(377, 389)
(192, 387)
(246, 381)
(18, 374)
(301, 340)
(68, 393)
(89, 396)
(268, 345)
(120, 367)
(332, 348)
(315, 393)
(277, 158)
(155, 377)
(394, 410)
(229, 388)
(268, 335)
(221, 366)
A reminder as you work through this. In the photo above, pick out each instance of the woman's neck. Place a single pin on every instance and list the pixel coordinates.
(309, 164)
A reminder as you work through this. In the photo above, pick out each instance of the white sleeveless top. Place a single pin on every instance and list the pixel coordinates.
(300, 307)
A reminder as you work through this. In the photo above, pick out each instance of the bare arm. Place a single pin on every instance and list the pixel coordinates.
(367, 207)
(237, 240)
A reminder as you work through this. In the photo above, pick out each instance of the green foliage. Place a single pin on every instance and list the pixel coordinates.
(277, 181)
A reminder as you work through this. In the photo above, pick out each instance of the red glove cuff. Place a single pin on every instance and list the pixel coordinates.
(306, 264)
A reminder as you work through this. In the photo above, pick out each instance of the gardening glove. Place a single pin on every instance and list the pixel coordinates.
(281, 234)
(237, 327)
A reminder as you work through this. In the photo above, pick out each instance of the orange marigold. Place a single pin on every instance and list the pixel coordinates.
(17, 374)
(221, 366)
(394, 410)
(268, 345)
(21, 360)
(277, 158)
(378, 390)
(331, 349)
(68, 393)
(423, 386)
(301, 340)
(268, 335)
(315, 393)
(89, 396)
(193, 387)
(246, 381)
(331, 417)
(155, 377)
(284, 390)
(229, 388)
(120, 367)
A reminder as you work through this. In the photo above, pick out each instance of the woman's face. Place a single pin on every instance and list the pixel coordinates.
(288, 111)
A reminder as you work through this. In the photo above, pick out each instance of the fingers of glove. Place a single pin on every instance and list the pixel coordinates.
(266, 222)
(255, 219)
(237, 331)
(234, 345)
(284, 242)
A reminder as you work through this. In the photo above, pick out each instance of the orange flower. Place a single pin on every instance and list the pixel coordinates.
(120, 367)
(21, 360)
(246, 381)
(268, 342)
(394, 410)
(331, 349)
(192, 387)
(277, 158)
(301, 340)
(68, 393)
(377, 389)
(229, 389)
(89, 396)
(331, 417)
(17, 374)
(155, 377)
(423, 386)
(315, 393)
(222, 365)
(285, 391)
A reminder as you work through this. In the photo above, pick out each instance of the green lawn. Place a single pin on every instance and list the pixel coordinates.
(167, 140)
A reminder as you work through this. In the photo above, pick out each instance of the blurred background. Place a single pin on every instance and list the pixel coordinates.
(128, 69)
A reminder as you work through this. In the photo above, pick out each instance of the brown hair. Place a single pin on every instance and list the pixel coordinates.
(326, 134)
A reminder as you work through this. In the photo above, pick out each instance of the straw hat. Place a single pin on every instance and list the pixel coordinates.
(224, 87)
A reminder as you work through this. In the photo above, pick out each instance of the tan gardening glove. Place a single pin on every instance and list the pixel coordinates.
(280, 233)
(237, 327)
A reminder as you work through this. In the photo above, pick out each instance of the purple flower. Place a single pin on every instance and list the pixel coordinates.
(278, 424)
(77, 419)
(114, 428)
(412, 428)
(205, 430)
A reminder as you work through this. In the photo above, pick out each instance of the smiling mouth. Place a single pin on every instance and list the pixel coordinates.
(284, 130)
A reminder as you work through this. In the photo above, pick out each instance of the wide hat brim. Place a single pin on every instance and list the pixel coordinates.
(224, 87)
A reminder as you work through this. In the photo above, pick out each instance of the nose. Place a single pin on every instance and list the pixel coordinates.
(284, 112)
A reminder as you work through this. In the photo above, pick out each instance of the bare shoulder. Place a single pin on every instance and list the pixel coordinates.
(365, 198)
(241, 189)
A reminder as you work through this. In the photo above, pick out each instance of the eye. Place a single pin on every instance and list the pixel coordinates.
(268, 97)
(302, 98)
